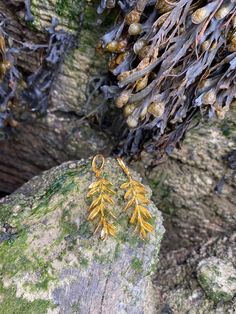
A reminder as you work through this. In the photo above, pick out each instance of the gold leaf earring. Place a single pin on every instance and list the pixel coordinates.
(101, 190)
(136, 199)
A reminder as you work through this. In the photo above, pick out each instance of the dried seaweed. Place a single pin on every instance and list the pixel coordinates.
(28, 15)
(171, 61)
(32, 91)
(8, 78)
(39, 84)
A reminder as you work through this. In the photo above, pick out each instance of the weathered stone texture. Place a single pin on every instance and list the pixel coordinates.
(49, 255)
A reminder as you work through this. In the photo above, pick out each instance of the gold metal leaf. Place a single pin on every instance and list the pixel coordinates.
(142, 199)
(139, 189)
(96, 202)
(92, 192)
(94, 184)
(134, 216)
(148, 226)
(108, 199)
(143, 233)
(136, 199)
(94, 212)
(108, 190)
(101, 191)
(105, 182)
(130, 203)
(125, 185)
(145, 212)
(128, 193)
(138, 184)
(111, 230)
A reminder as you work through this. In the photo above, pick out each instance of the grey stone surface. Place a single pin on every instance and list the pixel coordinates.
(52, 263)
(217, 277)
(196, 188)
(198, 280)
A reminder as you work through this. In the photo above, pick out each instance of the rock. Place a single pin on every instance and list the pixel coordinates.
(69, 130)
(217, 278)
(198, 280)
(195, 188)
(50, 261)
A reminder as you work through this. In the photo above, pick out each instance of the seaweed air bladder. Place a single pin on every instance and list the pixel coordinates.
(173, 62)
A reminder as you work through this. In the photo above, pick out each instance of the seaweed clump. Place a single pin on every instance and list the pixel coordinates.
(171, 60)
(23, 93)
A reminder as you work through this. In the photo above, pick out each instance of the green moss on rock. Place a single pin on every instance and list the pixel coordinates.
(12, 257)
(136, 264)
(67, 11)
(5, 211)
(10, 304)
(214, 276)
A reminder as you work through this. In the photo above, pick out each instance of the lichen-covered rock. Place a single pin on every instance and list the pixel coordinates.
(196, 192)
(217, 278)
(68, 12)
(195, 188)
(199, 280)
(50, 261)
(69, 93)
(70, 129)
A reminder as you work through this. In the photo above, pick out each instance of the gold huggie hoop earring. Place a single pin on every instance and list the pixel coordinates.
(136, 199)
(100, 205)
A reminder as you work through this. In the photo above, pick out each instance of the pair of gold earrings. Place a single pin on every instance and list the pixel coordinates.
(102, 192)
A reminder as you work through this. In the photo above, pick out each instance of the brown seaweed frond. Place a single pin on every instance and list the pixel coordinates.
(4, 63)
(102, 193)
(136, 198)
(178, 59)
(27, 91)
